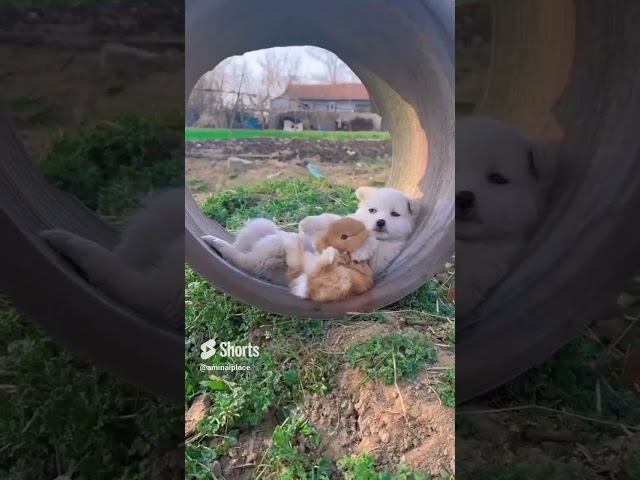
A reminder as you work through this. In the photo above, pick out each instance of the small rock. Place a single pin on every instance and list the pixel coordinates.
(384, 437)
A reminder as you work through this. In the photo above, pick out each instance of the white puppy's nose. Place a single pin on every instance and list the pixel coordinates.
(381, 223)
(465, 199)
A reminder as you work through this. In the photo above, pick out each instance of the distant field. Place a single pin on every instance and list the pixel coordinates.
(224, 134)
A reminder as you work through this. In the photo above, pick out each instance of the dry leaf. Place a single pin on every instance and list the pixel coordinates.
(196, 414)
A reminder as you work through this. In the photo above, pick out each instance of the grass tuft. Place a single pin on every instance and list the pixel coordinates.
(110, 166)
(391, 357)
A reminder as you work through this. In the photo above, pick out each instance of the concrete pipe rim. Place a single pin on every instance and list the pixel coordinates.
(428, 59)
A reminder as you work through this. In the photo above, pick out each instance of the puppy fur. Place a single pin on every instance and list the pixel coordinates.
(145, 271)
(330, 274)
(259, 248)
(503, 182)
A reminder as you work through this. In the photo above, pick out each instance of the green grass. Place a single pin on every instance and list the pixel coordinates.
(58, 413)
(293, 453)
(502, 470)
(392, 357)
(362, 467)
(227, 134)
(31, 111)
(285, 202)
(293, 359)
(110, 166)
(446, 387)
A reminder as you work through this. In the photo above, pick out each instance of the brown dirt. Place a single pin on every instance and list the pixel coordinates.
(51, 87)
(355, 163)
(362, 416)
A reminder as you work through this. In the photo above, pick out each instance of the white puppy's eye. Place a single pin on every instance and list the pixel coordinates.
(373, 210)
(395, 214)
(344, 237)
(497, 179)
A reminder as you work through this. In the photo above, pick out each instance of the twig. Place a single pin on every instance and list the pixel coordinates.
(395, 382)
(634, 320)
(553, 410)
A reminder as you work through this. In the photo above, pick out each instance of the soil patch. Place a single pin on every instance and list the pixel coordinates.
(404, 424)
(344, 162)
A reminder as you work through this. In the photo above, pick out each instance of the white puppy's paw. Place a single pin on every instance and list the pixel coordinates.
(366, 250)
(289, 240)
(216, 243)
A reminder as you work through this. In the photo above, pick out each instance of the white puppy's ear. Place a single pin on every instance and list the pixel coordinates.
(363, 192)
(542, 164)
(413, 205)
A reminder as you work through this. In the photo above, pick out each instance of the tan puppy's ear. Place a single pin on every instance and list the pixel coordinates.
(413, 205)
(542, 164)
(363, 192)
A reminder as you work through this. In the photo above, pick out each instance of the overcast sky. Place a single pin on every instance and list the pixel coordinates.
(309, 66)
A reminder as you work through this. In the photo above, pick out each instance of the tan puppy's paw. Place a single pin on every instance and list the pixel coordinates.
(328, 255)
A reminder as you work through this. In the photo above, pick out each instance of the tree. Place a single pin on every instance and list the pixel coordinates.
(278, 67)
(335, 70)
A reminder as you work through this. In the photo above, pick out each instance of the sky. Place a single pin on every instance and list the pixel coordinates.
(310, 68)
(308, 64)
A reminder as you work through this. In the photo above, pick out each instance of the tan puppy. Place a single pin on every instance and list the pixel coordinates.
(390, 216)
(331, 273)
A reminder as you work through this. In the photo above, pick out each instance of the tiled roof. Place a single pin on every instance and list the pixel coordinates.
(335, 92)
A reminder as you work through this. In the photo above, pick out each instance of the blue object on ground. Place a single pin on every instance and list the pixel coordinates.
(253, 124)
(314, 170)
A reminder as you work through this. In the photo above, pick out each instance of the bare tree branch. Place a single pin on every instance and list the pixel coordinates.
(335, 70)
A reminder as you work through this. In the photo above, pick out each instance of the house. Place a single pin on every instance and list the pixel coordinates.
(341, 97)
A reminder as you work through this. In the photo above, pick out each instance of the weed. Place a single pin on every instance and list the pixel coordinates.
(197, 185)
(362, 467)
(391, 357)
(293, 453)
(446, 388)
(286, 202)
(31, 111)
(61, 413)
(430, 297)
(111, 166)
(519, 471)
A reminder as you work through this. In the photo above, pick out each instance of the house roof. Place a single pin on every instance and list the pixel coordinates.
(330, 92)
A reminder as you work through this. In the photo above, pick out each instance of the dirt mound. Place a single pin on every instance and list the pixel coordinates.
(404, 425)
(292, 149)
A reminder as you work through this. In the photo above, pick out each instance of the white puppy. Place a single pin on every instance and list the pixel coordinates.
(145, 271)
(260, 246)
(503, 181)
